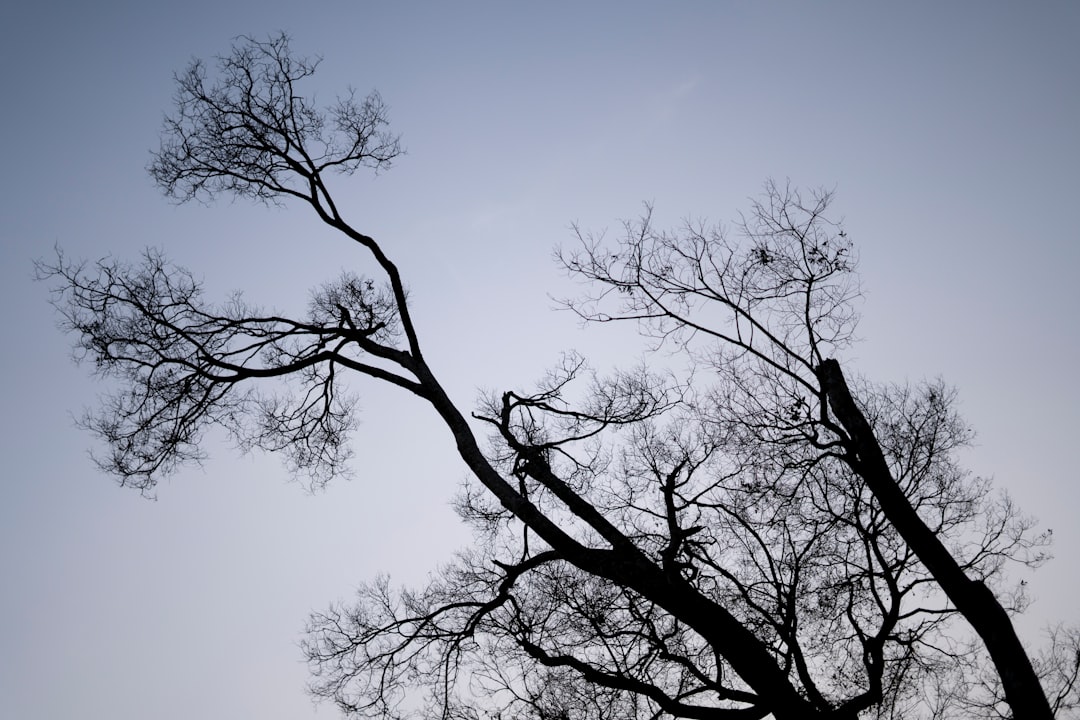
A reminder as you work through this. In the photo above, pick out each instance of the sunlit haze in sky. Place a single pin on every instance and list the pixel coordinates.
(950, 131)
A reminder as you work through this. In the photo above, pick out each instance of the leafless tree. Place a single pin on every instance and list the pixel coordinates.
(748, 538)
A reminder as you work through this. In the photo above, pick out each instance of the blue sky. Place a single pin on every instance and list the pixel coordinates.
(948, 130)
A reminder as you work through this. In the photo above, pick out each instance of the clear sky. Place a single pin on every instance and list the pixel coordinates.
(951, 132)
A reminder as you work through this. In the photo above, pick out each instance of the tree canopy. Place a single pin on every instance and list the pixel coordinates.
(744, 533)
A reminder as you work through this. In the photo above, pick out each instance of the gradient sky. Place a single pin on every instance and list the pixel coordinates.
(951, 132)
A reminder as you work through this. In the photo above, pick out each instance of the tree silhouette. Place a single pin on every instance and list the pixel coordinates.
(752, 537)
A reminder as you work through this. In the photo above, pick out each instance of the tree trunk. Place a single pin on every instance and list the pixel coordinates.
(972, 598)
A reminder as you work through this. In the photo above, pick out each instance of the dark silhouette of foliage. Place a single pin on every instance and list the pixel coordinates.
(756, 536)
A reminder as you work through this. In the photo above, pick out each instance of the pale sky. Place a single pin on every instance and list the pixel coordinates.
(951, 132)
